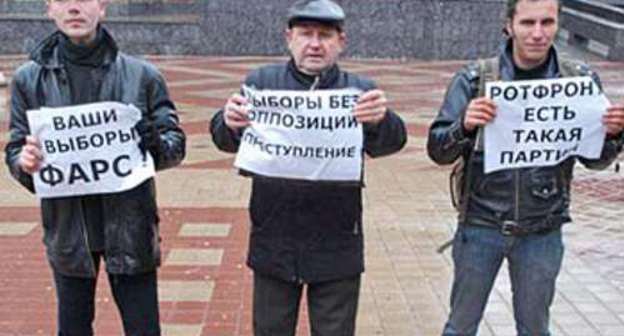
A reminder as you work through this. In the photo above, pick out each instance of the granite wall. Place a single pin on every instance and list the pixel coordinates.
(619, 3)
(424, 29)
(173, 37)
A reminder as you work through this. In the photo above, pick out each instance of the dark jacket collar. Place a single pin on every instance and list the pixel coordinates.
(325, 79)
(46, 53)
(507, 68)
(84, 55)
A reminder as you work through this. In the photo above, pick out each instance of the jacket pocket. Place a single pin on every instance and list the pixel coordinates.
(543, 185)
(339, 209)
(542, 194)
(268, 202)
(132, 236)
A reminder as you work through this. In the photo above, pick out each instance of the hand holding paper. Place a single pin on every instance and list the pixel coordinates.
(480, 112)
(371, 107)
(236, 113)
(614, 119)
(30, 157)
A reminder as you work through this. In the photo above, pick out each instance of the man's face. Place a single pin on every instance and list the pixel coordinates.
(78, 19)
(533, 29)
(315, 46)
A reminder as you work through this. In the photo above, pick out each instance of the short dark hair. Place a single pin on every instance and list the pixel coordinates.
(512, 4)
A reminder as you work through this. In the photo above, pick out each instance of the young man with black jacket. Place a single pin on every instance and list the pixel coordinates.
(513, 214)
(79, 64)
(307, 232)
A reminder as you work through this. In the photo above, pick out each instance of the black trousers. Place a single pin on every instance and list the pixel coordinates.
(332, 306)
(135, 295)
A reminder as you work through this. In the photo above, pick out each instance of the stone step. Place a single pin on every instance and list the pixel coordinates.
(594, 25)
(601, 9)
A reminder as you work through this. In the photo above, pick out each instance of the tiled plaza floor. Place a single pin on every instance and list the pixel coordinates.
(204, 284)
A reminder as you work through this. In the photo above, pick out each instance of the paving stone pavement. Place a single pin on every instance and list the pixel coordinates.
(204, 286)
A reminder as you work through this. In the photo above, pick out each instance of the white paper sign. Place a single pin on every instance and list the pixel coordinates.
(310, 135)
(543, 122)
(88, 149)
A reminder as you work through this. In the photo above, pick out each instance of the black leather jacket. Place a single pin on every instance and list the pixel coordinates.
(131, 219)
(529, 197)
(306, 231)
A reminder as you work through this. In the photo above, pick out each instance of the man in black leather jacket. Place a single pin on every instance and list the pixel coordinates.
(79, 64)
(514, 214)
(306, 232)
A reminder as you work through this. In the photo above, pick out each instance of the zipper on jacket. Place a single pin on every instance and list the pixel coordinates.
(316, 82)
(86, 237)
(64, 89)
(62, 77)
(298, 277)
(97, 83)
(517, 209)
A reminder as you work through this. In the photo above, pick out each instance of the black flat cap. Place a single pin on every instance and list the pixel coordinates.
(325, 11)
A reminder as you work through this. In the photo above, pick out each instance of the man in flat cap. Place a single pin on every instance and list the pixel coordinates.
(307, 232)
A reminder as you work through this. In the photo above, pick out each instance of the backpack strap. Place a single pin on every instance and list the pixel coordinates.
(489, 71)
(485, 70)
(572, 68)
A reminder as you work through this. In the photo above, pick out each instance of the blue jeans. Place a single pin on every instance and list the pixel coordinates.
(534, 263)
